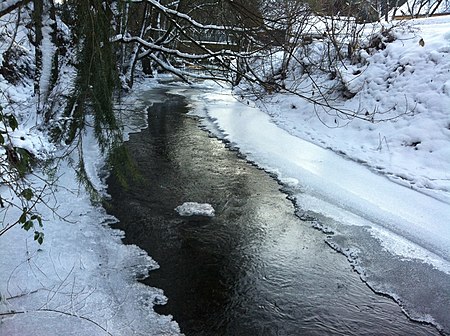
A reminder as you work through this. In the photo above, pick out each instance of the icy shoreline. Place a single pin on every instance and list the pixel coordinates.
(82, 279)
(367, 209)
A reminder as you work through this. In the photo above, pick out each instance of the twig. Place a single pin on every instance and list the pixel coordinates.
(47, 310)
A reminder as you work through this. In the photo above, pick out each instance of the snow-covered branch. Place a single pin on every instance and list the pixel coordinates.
(10, 5)
(184, 75)
(152, 47)
(171, 12)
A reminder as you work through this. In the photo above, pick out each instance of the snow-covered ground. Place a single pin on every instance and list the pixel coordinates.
(325, 181)
(82, 279)
(414, 8)
(404, 80)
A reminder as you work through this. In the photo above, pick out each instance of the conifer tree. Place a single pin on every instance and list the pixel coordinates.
(96, 73)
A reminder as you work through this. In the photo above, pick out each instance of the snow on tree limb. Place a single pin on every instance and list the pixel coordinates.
(184, 75)
(155, 47)
(171, 12)
(10, 5)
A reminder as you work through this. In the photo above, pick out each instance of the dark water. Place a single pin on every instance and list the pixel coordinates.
(253, 269)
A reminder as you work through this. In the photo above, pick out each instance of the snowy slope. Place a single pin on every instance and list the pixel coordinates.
(406, 82)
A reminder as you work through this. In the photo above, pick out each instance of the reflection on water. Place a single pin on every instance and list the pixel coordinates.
(254, 269)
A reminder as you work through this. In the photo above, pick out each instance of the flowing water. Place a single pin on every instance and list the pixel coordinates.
(253, 269)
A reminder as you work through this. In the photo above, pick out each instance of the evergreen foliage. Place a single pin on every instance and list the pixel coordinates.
(91, 102)
(96, 75)
(15, 162)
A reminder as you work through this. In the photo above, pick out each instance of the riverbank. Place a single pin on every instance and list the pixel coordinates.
(401, 129)
(82, 279)
(387, 231)
(384, 184)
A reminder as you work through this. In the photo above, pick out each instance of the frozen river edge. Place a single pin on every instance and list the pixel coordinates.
(384, 229)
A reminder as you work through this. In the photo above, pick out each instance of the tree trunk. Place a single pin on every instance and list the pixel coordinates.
(37, 20)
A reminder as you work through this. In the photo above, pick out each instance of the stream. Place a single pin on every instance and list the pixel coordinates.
(253, 269)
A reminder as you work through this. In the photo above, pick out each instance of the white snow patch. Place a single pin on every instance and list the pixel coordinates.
(195, 209)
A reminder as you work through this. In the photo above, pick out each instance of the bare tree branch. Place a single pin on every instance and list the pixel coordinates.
(6, 7)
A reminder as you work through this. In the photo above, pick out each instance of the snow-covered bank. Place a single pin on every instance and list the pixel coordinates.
(82, 279)
(325, 182)
(405, 81)
(410, 225)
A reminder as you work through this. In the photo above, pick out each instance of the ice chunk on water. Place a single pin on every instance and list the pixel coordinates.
(195, 209)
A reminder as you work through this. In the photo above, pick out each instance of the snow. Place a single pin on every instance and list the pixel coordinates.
(8, 3)
(195, 209)
(329, 183)
(405, 82)
(82, 279)
(414, 8)
(48, 51)
(284, 135)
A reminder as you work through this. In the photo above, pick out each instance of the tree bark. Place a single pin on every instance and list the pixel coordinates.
(37, 20)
